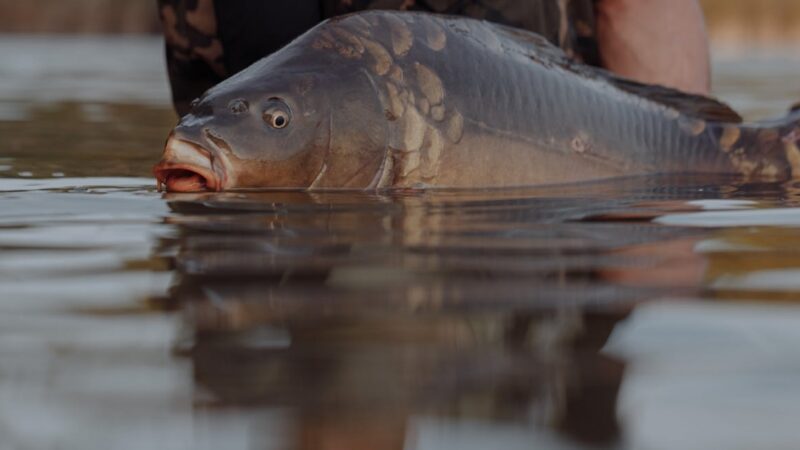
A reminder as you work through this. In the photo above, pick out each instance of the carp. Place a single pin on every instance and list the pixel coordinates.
(388, 99)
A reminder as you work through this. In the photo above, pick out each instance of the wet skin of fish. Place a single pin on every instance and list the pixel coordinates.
(386, 99)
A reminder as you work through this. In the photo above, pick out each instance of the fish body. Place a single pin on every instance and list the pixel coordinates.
(386, 99)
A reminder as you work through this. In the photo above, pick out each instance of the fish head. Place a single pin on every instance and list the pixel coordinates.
(297, 119)
(246, 132)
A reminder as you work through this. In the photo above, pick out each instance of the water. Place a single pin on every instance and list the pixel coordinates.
(640, 313)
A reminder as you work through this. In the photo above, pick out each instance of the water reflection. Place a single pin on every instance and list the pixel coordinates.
(422, 320)
(363, 314)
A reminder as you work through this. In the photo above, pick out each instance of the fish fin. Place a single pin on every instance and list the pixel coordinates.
(694, 105)
(541, 50)
(789, 127)
(768, 149)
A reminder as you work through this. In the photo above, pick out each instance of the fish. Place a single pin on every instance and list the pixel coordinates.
(411, 100)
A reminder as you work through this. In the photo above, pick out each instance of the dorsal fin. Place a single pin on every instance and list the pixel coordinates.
(698, 106)
(541, 50)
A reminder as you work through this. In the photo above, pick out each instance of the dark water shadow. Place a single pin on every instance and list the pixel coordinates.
(360, 313)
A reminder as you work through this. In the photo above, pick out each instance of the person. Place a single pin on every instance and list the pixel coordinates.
(652, 41)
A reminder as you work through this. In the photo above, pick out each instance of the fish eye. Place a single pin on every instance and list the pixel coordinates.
(277, 114)
(194, 103)
(238, 106)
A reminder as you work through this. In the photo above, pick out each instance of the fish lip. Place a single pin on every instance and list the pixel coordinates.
(203, 165)
(165, 169)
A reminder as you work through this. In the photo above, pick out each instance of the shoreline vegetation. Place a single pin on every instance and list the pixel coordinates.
(731, 23)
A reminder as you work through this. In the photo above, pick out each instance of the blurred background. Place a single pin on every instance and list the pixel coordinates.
(104, 345)
(78, 16)
(749, 23)
(731, 22)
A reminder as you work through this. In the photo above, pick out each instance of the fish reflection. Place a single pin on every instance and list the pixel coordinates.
(362, 313)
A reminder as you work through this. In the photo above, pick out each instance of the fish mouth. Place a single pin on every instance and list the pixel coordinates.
(186, 167)
(185, 178)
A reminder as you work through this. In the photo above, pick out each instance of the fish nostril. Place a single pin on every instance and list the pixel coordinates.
(200, 109)
(238, 106)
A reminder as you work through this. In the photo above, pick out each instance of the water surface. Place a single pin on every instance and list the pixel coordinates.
(654, 313)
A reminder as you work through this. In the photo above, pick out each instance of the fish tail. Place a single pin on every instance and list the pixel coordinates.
(764, 150)
(790, 138)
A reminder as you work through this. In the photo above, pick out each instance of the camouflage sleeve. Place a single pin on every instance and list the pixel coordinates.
(207, 42)
(193, 49)
(582, 31)
(570, 24)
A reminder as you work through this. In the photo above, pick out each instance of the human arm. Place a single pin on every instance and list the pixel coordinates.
(655, 41)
